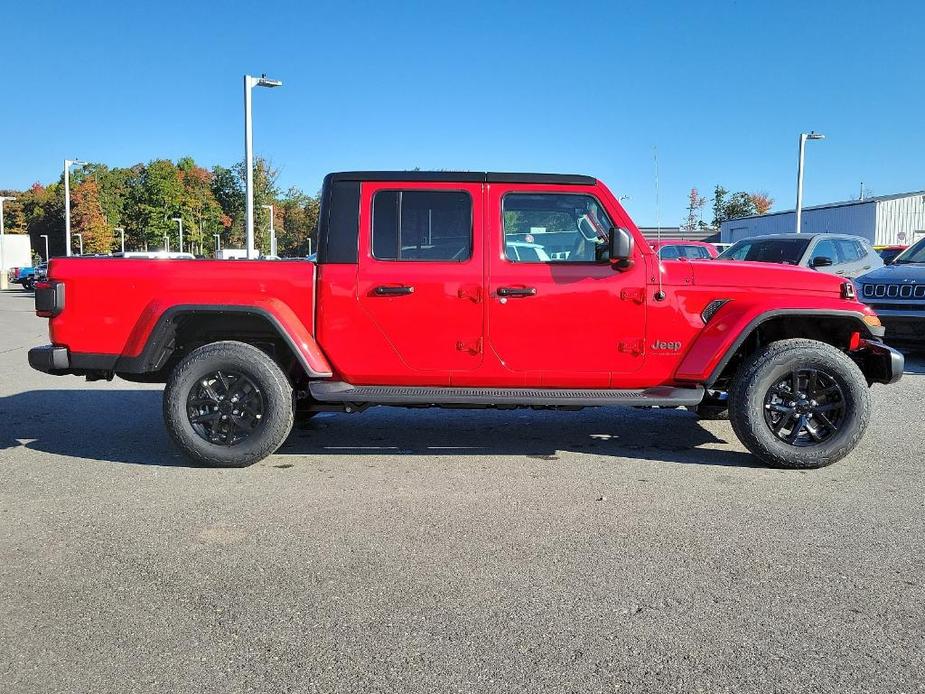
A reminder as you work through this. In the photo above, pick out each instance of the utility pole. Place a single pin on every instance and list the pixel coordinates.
(68, 163)
(812, 135)
(122, 232)
(249, 84)
(272, 230)
(179, 220)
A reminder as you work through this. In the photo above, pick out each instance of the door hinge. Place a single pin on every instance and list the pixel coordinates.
(470, 346)
(637, 296)
(472, 293)
(634, 347)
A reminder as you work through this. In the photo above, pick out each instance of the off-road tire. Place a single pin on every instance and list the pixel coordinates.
(263, 372)
(766, 367)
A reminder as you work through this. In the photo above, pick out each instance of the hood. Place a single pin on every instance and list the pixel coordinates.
(755, 275)
(911, 272)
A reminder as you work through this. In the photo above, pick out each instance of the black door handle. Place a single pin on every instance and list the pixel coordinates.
(516, 291)
(393, 291)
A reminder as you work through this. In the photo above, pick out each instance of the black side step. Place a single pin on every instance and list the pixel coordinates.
(337, 391)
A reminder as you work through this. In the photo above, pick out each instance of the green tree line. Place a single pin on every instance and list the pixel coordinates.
(144, 200)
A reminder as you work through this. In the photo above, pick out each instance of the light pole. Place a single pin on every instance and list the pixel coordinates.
(45, 236)
(812, 135)
(4, 282)
(80, 237)
(179, 220)
(272, 230)
(218, 243)
(122, 232)
(68, 163)
(166, 243)
(249, 84)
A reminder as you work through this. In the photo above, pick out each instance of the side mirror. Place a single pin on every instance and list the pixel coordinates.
(820, 261)
(621, 247)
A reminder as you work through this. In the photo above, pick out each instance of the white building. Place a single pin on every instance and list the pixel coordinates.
(16, 251)
(883, 220)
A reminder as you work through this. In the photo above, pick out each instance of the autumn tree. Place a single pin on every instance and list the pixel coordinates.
(154, 198)
(297, 222)
(87, 217)
(695, 205)
(736, 205)
(761, 201)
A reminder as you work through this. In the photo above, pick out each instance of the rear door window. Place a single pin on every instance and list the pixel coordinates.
(422, 225)
(850, 251)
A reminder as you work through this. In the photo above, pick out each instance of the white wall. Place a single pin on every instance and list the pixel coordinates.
(904, 216)
(17, 251)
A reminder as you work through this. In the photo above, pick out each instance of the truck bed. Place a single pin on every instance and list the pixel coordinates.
(112, 304)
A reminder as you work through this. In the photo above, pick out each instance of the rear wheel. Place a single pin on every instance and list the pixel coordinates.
(228, 404)
(799, 404)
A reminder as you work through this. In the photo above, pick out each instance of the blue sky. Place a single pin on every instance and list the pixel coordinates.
(721, 88)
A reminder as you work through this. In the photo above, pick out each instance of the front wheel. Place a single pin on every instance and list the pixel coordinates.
(227, 404)
(799, 404)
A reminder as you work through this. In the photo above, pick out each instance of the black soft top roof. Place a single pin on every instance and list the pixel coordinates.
(464, 177)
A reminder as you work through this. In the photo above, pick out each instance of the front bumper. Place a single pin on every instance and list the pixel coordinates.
(49, 359)
(881, 363)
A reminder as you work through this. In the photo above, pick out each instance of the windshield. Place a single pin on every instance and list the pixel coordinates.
(913, 254)
(767, 250)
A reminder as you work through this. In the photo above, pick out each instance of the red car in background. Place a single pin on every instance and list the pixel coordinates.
(889, 253)
(692, 250)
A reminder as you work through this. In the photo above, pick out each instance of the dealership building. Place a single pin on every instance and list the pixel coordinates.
(883, 220)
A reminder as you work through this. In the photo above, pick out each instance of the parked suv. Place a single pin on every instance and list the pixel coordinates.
(836, 254)
(471, 290)
(692, 250)
(897, 292)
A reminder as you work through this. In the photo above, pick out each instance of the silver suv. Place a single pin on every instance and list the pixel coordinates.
(837, 254)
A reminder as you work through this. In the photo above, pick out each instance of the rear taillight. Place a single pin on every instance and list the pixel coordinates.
(49, 298)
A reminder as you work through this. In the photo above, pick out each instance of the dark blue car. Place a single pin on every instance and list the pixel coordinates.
(897, 293)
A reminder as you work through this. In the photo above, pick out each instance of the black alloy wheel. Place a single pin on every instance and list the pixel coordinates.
(805, 408)
(228, 404)
(225, 407)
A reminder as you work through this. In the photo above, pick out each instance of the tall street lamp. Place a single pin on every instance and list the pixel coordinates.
(80, 237)
(272, 230)
(812, 135)
(68, 163)
(218, 243)
(122, 232)
(45, 236)
(249, 84)
(179, 220)
(166, 243)
(4, 281)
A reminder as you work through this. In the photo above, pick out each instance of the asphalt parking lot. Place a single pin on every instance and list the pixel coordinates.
(442, 551)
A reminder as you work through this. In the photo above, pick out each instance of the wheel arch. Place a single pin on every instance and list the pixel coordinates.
(180, 328)
(712, 359)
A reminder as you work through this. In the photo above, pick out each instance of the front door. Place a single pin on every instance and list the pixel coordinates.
(421, 275)
(558, 311)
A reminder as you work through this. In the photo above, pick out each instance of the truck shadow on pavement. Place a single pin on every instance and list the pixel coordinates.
(125, 426)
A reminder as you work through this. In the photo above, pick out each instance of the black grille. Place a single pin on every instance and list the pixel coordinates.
(894, 291)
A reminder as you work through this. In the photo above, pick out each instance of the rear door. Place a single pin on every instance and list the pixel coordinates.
(421, 274)
(562, 317)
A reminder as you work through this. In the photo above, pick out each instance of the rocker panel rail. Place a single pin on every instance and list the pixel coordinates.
(338, 391)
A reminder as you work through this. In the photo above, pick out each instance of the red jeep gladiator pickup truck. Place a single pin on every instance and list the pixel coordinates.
(472, 289)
